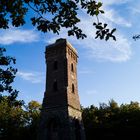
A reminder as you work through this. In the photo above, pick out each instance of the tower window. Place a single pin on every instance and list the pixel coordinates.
(55, 65)
(72, 68)
(72, 88)
(55, 88)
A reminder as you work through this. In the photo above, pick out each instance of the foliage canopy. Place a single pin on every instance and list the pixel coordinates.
(7, 75)
(112, 120)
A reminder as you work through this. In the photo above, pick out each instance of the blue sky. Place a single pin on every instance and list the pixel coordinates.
(106, 70)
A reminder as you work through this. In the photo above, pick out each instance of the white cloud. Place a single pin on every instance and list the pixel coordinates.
(85, 71)
(33, 77)
(119, 51)
(13, 35)
(112, 16)
(114, 51)
(135, 10)
(114, 2)
(91, 92)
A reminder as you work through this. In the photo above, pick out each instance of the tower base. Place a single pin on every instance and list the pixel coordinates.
(63, 123)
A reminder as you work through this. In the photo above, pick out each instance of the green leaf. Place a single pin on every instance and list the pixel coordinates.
(101, 11)
(113, 30)
(70, 32)
(105, 25)
(99, 27)
(97, 13)
(99, 4)
(114, 38)
(94, 24)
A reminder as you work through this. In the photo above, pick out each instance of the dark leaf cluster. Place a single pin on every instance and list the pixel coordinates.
(136, 37)
(50, 15)
(92, 7)
(7, 73)
(103, 32)
(12, 11)
(56, 14)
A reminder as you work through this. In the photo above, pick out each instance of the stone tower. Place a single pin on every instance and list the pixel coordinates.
(61, 113)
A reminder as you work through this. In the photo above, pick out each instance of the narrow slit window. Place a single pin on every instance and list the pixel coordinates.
(73, 88)
(55, 65)
(72, 68)
(55, 88)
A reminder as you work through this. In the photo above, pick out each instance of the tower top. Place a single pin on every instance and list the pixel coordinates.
(62, 42)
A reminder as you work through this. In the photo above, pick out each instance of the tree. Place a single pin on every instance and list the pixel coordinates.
(34, 106)
(112, 120)
(7, 75)
(11, 111)
(12, 119)
(18, 122)
(7, 72)
(52, 15)
(33, 111)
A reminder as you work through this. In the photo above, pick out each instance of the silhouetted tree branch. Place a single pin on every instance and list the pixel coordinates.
(7, 75)
(52, 15)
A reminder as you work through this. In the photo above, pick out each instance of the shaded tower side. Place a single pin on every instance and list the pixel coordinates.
(56, 80)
